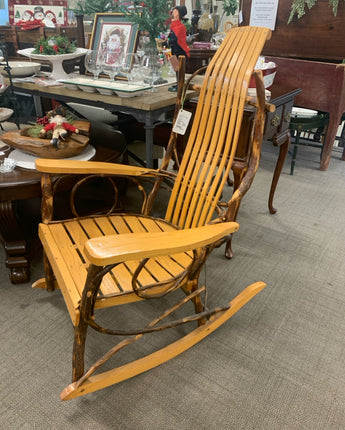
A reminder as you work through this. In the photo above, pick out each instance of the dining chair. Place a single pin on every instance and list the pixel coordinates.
(111, 259)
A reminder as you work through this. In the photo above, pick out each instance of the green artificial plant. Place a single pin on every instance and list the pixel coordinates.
(149, 14)
(90, 7)
(54, 45)
(230, 7)
(300, 7)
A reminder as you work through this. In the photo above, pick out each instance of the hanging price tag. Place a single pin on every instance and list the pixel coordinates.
(182, 122)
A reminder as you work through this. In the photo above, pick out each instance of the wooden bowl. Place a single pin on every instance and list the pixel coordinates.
(73, 145)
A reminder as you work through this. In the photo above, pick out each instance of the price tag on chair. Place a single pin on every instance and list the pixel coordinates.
(182, 121)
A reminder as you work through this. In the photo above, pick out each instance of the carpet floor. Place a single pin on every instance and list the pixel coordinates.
(279, 363)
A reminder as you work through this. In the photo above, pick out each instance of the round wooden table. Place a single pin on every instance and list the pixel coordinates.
(22, 185)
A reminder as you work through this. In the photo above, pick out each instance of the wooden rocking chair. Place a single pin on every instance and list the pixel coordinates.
(106, 260)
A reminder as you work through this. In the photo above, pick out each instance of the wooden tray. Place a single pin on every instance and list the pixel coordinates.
(73, 145)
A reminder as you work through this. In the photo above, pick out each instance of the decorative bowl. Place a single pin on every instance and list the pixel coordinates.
(73, 145)
(21, 69)
(5, 113)
(55, 60)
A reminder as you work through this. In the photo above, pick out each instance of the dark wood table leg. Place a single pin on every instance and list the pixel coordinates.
(283, 141)
(15, 245)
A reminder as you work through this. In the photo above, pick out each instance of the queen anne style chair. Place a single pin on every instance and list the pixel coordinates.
(111, 259)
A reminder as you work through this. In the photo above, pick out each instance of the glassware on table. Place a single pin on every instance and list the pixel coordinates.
(111, 62)
(151, 69)
(131, 67)
(93, 63)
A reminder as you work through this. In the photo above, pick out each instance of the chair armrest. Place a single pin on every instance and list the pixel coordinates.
(112, 249)
(90, 167)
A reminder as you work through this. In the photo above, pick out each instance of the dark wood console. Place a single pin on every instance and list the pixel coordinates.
(198, 58)
(309, 52)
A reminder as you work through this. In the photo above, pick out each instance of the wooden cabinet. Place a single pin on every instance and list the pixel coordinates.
(318, 35)
(198, 58)
(308, 53)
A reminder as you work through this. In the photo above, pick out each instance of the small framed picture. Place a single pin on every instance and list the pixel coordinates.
(113, 36)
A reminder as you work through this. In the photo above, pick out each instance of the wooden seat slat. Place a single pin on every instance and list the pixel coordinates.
(63, 275)
(69, 251)
(80, 233)
(122, 273)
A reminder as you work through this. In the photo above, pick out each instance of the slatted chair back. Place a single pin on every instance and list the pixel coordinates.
(216, 127)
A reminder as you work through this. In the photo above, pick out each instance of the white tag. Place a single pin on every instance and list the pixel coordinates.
(240, 17)
(182, 122)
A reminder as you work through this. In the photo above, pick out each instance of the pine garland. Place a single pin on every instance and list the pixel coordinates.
(298, 7)
(54, 46)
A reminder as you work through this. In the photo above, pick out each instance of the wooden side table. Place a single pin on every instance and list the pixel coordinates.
(277, 131)
(198, 58)
(20, 185)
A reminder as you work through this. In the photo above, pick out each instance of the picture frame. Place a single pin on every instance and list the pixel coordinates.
(25, 10)
(114, 29)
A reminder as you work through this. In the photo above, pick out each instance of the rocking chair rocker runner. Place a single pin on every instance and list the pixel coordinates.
(106, 260)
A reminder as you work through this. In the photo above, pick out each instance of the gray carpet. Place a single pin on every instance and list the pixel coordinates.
(277, 364)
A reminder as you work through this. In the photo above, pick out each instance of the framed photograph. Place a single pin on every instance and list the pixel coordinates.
(114, 36)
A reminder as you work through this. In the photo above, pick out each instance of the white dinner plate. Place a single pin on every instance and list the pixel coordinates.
(27, 161)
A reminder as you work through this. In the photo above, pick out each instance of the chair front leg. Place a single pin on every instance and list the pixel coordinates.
(48, 274)
(86, 312)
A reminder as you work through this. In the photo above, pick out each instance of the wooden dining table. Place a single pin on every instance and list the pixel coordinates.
(147, 108)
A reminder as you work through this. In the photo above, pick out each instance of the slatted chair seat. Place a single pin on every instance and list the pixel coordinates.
(64, 244)
(111, 259)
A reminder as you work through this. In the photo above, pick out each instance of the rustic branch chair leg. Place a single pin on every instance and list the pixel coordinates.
(86, 312)
(232, 215)
(80, 332)
(49, 274)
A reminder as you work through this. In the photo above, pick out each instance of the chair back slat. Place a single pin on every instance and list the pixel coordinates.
(216, 127)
